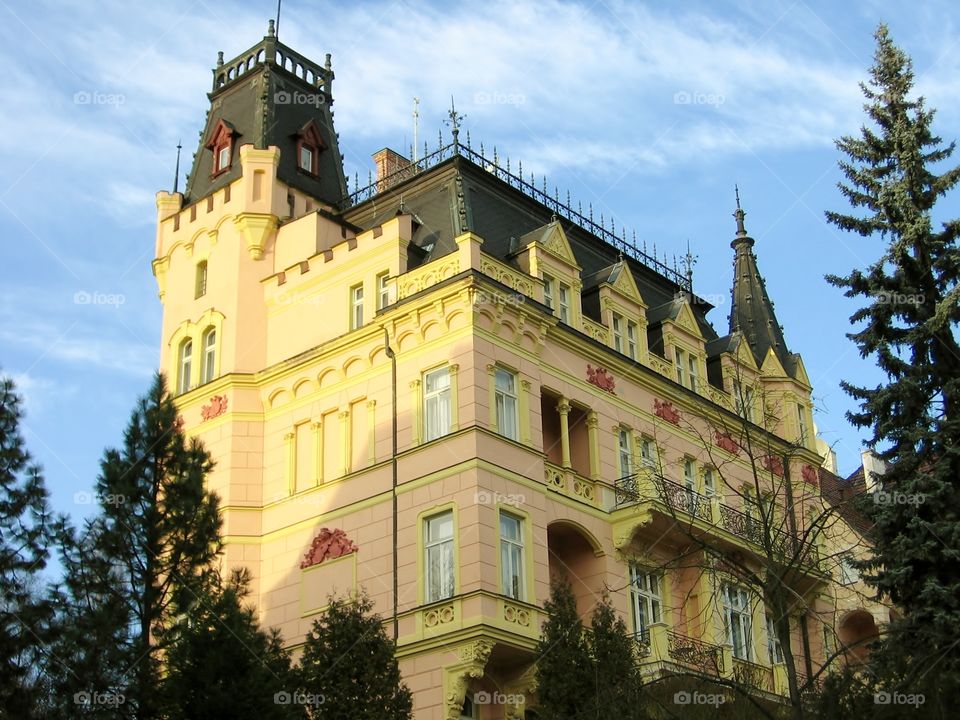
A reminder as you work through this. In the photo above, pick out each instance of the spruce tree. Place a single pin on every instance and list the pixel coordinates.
(145, 554)
(220, 665)
(616, 673)
(26, 533)
(349, 670)
(895, 173)
(564, 676)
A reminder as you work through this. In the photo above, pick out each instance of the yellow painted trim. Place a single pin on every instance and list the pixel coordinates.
(422, 517)
(529, 589)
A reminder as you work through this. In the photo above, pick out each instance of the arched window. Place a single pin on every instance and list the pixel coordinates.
(200, 282)
(209, 355)
(185, 365)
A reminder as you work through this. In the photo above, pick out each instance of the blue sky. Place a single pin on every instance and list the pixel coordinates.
(651, 111)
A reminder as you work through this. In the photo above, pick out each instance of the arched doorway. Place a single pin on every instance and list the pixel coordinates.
(856, 630)
(575, 555)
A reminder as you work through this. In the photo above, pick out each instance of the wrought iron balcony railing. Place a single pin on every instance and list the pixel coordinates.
(753, 675)
(702, 656)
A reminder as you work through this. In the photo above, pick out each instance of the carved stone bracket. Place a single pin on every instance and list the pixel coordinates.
(328, 544)
(665, 410)
(216, 407)
(472, 660)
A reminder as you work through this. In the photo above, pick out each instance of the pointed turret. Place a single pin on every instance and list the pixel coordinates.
(752, 312)
(267, 96)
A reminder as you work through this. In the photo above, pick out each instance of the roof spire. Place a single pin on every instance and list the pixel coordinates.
(739, 214)
(176, 171)
(454, 122)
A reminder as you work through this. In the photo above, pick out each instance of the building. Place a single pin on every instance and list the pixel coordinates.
(447, 387)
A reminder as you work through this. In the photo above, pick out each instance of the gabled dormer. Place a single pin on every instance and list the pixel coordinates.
(545, 253)
(679, 340)
(613, 294)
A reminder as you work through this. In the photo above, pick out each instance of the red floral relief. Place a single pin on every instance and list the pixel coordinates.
(809, 473)
(774, 464)
(328, 545)
(217, 406)
(600, 377)
(666, 411)
(724, 441)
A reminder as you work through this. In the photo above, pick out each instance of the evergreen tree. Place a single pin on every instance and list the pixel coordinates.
(348, 670)
(564, 676)
(26, 532)
(617, 676)
(909, 326)
(144, 555)
(220, 665)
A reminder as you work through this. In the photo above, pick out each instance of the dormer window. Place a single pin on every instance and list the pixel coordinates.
(221, 145)
(309, 146)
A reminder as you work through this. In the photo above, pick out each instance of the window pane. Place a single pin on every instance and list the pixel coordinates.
(306, 158)
(438, 539)
(436, 403)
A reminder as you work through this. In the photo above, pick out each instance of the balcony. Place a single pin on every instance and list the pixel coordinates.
(678, 500)
(659, 647)
(570, 483)
(751, 674)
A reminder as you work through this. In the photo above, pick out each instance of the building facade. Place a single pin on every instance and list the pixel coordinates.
(449, 387)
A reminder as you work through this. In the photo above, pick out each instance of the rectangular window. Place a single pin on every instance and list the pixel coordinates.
(829, 640)
(306, 158)
(737, 621)
(743, 401)
(356, 307)
(505, 397)
(436, 404)
(617, 333)
(709, 483)
(438, 557)
(383, 290)
(626, 455)
(223, 158)
(693, 374)
(548, 292)
(801, 424)
(848, 573)
(690, 484)
(680, 363)
(632, 340)
(511, 556)
(648, 452)
(564, 303)
(200, 281)
(645, 598)
(774, 649)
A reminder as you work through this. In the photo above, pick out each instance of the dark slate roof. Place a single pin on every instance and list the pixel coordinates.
(458, 195)
(268, 94)
(752, 312)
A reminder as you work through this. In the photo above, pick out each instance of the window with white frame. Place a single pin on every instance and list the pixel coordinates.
(208, 368)
(436, 403)
(829, 640)
(625, 451)
(356, 307)
(848, 572)
(383, 290)
(564, 303)
(184, 366)
(469, 710)
(709, 482)
(200, 280)
(648, 452)
(617, 333)
(690, 484)
(774, 648)
(743, 401)
(645, 599)
(692, 375)
(802, 424)
(505, 398)
(511, 556)
(438, 557)
(549, 290)
(680, 362)
(737, 620)
(632, 340)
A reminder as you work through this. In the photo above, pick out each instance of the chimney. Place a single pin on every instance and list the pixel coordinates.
(390, 165)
